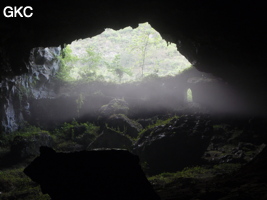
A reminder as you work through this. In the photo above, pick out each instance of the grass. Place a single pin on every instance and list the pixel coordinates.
(193, 172)
(197, 172)
(73, 133)
(26, 132)
(14, 184)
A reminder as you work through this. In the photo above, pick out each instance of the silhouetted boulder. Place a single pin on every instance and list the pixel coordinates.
(94, 175)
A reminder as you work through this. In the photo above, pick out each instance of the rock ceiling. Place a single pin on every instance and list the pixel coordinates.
(226, 38)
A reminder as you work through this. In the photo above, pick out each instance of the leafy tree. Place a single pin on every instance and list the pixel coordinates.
(75, 67)
(141, 43)
(150, 48)
(117, 69)
(123, 55)
(89, 64)
(67, 60)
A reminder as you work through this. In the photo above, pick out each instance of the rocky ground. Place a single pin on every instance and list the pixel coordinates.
(246, 183)
(192, 156)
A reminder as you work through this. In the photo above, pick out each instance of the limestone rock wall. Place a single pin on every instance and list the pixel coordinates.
(17, 92)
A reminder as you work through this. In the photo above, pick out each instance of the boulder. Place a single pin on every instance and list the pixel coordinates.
(24, 146)
(94, 175)
(111, 139)
(145, 122)
(115, 106)
(124, 124)
(173, 146)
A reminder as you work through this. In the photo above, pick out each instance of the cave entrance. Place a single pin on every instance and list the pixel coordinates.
(121, 56)
(189, 96)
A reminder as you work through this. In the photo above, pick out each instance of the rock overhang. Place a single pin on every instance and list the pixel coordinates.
(224, 38)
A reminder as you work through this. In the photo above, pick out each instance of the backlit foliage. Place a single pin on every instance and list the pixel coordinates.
(121, 56)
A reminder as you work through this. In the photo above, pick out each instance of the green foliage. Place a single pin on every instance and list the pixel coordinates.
(26, 131)
(116, 106)
(79, 133)
(117, 130)
(140, 45)
(145, 45)
(121, 56)
(197, 172)
(74, 67)
(227, 168)
(188, 172)
(158, 122)
(67, 60)
(24, 92)
(117, 69)
(14, 184)
(124, 133)
(88, 65)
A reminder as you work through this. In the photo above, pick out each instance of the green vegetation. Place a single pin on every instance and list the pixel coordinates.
(197, 172)
(159, 122)
(121, 56)
(26, 131)
(117, 130)
(64, 138)
(116, 106)
(74, 133)
(141, 44)
(29, 130)
(67, 60)
(14, 184)
(193, 172)
(117, 69)
(226, 168)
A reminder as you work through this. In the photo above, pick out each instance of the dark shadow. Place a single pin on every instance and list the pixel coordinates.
(94, 175)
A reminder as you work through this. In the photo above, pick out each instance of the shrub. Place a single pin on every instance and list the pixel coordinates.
(27, 142)
(197, 172)
(79, 133)
(14, 184)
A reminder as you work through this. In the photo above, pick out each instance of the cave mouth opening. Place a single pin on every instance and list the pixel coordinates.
(122, 56)
(189, 95)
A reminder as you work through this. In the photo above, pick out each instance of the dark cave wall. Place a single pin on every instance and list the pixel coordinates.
(226, 38)
(214, 34)
(220, 98)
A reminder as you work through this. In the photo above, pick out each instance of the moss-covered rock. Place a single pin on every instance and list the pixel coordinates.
(75, 136)
(115, 106)
(124, 124)
(28, 144)
(111, 139)
(172, 146)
